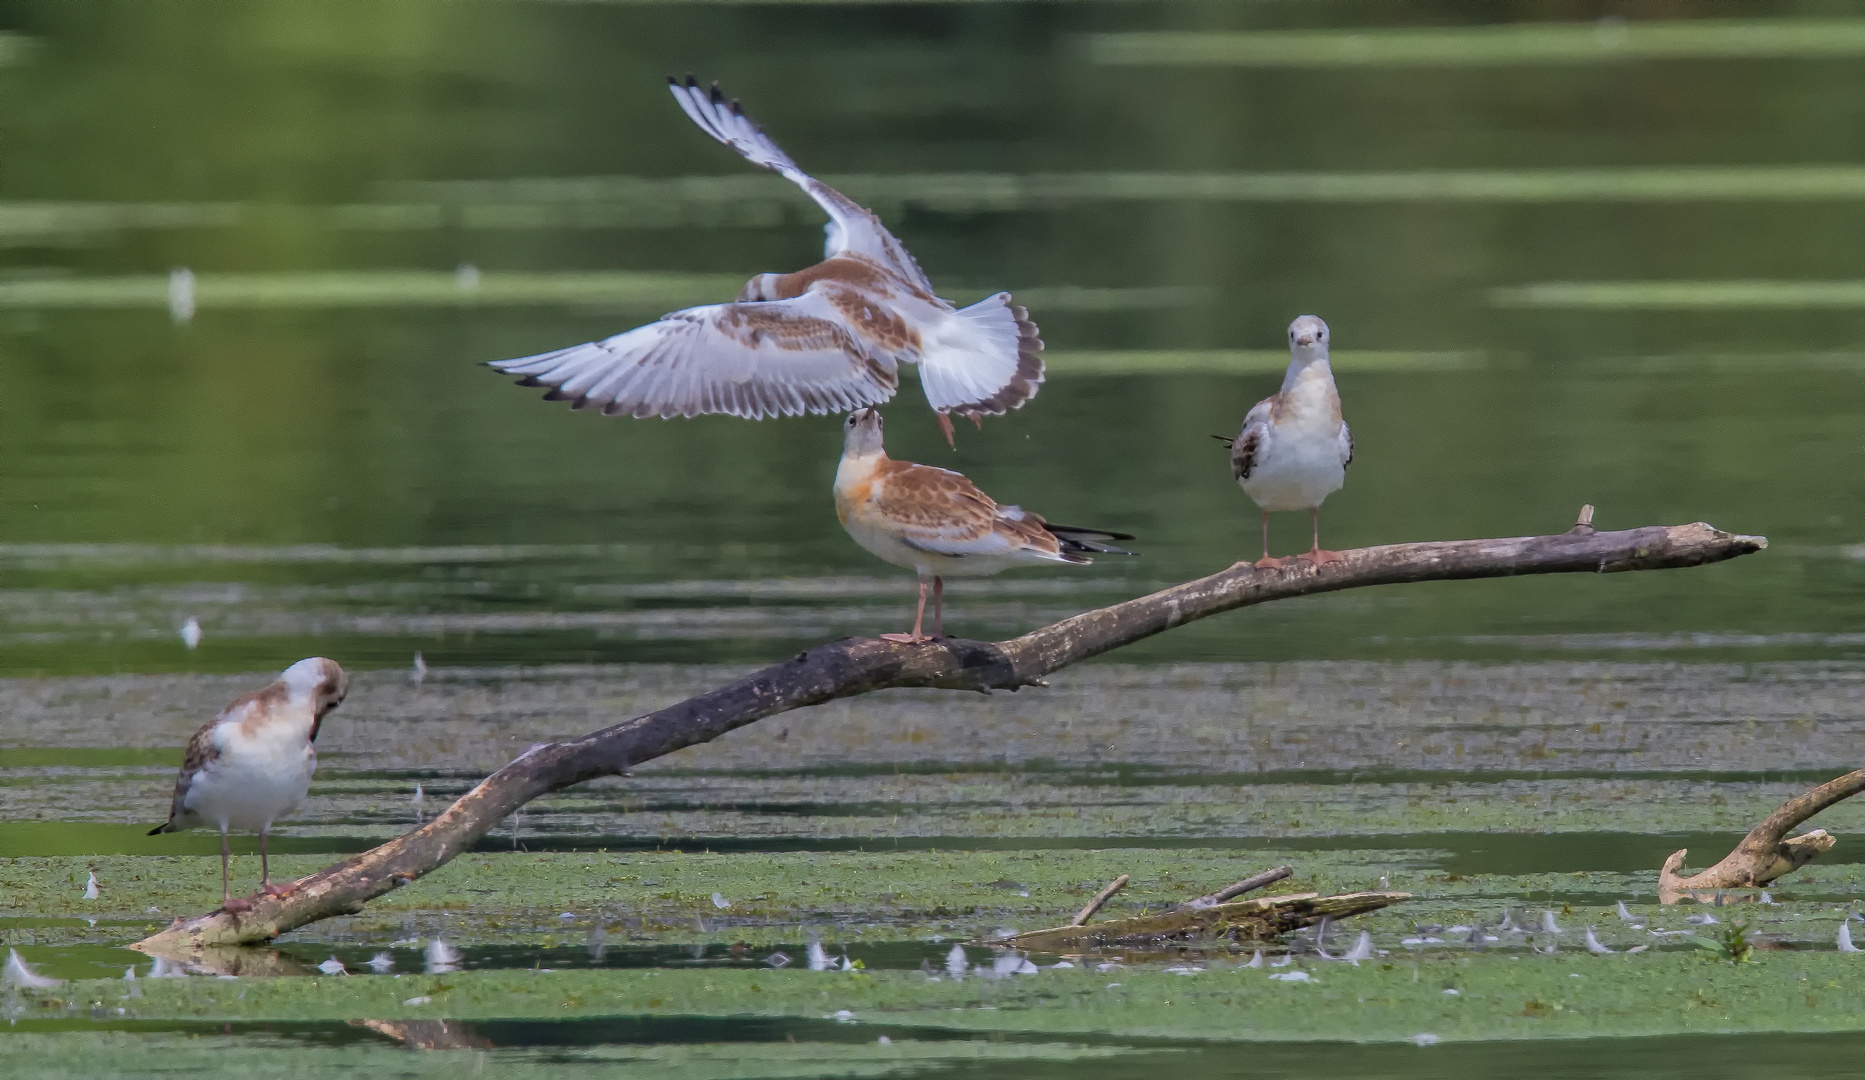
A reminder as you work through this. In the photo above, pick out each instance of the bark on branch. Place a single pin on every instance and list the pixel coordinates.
(1764, 854)
(859, 665)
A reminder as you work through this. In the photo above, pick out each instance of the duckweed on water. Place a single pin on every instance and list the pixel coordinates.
(1388, 1000)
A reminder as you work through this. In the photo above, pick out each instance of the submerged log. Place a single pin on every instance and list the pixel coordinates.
(1263, 919)
(1767, 852)
(861, 665)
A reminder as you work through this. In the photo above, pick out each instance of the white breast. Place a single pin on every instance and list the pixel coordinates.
(255, 780)
(1299, 462)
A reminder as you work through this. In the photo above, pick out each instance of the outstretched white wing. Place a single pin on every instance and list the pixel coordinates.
(854, 229)
(753, 360)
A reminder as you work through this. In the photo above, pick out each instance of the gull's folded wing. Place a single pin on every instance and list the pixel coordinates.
(1249, 441)
(942, 512)
(752, 360)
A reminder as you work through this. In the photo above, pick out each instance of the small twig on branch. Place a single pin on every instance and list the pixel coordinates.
(1254, 881)
(859, 665)
(1763, 855)
(1086, 913)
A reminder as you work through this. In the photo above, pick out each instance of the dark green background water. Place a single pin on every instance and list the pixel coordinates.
(372, 427)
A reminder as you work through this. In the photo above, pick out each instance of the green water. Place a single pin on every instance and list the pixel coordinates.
(316, 463)
(1563, 262)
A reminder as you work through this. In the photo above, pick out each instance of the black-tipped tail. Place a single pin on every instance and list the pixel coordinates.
(1076, 541)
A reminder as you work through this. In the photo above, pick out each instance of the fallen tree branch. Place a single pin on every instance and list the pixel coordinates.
(859, 665)
(1763, 855)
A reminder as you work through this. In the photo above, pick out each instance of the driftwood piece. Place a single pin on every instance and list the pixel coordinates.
(1766, 853)
(1231, 892)
(1262, 919)
(860, 665)
(1087, 912)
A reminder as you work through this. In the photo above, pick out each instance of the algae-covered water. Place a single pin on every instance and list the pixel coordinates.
(1566, 259)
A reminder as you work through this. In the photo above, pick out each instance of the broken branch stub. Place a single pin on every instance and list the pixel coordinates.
(1088, 910)
(1766, 853)
(859, 665)
(1249, 884)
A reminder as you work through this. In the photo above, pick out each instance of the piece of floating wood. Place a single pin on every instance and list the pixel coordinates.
(854, 666)
(1262, 919)
(1766, 853)
(1086, 913)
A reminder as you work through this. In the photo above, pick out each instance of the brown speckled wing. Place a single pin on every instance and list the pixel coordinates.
(752, 360)
(1249, 441)
(942, 512)
(201, 753)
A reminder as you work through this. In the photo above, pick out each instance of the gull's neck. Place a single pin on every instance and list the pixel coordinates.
(857, 465)
(1310, 361)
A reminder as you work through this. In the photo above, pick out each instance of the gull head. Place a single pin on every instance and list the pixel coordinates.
(863, 433)
(1308, 332)
(320, 681)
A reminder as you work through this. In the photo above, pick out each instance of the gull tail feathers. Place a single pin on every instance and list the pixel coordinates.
(986, 360)
(1076, 541)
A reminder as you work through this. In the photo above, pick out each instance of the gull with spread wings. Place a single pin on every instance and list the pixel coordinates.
(936, 522)
(828, 338)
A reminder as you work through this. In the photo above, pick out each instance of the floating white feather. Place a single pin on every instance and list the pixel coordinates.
(19, 973)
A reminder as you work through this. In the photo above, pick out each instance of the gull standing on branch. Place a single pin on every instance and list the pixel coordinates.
(1294, 448)
(252, 764)
(937, 523)
(828, 338)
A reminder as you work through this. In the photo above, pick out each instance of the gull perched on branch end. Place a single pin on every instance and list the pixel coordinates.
(252, 764)
(936, 522)
(1294, 448)
(828, 338)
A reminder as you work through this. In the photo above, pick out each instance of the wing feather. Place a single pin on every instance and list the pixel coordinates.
(771, 358)
(1346, 445)
(202, 753)
(944, 513)
(1249, 442)
(853, 228)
